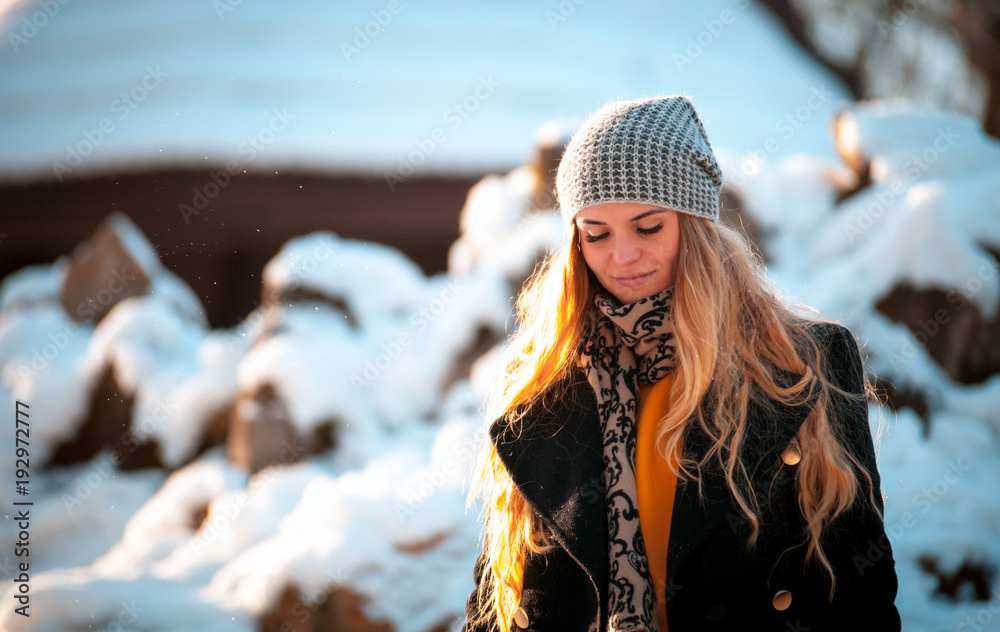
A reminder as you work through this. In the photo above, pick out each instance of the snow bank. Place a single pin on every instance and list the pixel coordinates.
(928, 219)
(157, 343)
(355, 334)
(376, 340)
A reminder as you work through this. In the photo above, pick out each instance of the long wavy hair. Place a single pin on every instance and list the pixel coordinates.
(733, 333)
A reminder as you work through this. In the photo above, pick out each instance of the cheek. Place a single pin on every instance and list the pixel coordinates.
(671, 246)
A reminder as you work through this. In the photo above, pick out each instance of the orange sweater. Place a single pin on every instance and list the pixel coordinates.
(655, 486)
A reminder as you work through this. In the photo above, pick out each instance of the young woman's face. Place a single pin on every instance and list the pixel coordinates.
(631, 247)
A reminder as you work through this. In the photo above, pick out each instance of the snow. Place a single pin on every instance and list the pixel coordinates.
(383, 512)
(365, 341)
(82, 510)
(927, 220)
(150, 349)
(905, 138)
(32, 284)
(929, 227)
(346, 269)
(251, 87)
(41, 347)
(383, 352)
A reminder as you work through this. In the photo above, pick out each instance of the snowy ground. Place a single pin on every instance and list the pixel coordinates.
(99, 536)
(383, 513)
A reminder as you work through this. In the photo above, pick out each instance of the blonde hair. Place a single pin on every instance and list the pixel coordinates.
(732, 333)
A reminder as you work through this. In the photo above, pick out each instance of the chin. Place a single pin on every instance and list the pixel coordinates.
(629, 295)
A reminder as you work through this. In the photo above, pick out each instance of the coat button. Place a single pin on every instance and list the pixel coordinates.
(716, 613)
(782, 599)
(521, 618)
(791, 455)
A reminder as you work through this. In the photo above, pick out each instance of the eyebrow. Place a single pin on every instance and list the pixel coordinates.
(652, 211)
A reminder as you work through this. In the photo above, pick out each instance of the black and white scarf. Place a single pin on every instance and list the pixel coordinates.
(627, 345)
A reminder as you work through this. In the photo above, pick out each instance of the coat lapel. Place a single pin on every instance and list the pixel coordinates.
(554, 456)
(557, 465)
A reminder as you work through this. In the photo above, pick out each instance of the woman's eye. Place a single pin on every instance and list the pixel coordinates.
(591, 238)
(650, 231)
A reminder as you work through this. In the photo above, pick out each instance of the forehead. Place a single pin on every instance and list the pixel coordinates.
(609, 212)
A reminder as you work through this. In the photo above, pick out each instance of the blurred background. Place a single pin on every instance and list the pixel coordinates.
(259, 261)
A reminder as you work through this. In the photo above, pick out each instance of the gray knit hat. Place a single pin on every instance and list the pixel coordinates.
(653, 150)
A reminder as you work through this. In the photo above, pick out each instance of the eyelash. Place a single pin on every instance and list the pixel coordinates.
(642, 231)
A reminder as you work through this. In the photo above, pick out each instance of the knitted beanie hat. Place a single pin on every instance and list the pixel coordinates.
(652, 150)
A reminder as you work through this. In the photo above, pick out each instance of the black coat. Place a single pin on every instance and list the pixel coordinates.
(714, 582)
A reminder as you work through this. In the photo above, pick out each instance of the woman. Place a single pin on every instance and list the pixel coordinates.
(677, 448)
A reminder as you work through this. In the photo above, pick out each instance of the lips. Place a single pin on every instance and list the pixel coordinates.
(632, 280)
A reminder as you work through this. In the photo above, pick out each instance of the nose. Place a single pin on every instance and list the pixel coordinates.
(626, 251)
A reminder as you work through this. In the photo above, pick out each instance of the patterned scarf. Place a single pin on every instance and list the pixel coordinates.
(626, 345)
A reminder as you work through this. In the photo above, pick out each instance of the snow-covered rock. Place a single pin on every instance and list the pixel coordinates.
(900, 244)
